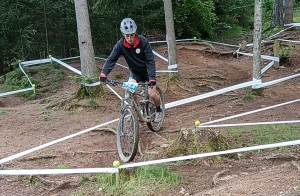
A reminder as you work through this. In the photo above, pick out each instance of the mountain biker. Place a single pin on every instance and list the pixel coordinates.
(138, 54)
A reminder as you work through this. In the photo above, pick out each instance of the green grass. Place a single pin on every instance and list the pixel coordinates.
(47, 116)
(263, 134)
(3, 112)
(248, 96)
(146, 180)
(296, 16)
(62, 166)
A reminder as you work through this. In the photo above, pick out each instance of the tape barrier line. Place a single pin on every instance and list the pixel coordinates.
(276, 81)
(293, 24)
(272, 58)
(58, 171)
(293, 41)
(209, 154)
(213, 93)
(17, 91)
(250, 112)
(66, 65)
(281, 31)
(267, 67)
(249, 124)
(18, 155)
(160, 56)
(166, 71)
(35, 62)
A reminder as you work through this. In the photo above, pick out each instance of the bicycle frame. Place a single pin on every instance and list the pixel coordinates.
(130, 100)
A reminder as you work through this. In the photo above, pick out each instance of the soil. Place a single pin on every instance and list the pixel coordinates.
(202, 68)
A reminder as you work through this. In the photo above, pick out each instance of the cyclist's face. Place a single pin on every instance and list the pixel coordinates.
(129, 38)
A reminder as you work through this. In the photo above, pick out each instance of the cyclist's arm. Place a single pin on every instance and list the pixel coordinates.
(150, 63)
(112, 59)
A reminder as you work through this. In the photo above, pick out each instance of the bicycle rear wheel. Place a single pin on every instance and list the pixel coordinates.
(151, 111)
(127, 135)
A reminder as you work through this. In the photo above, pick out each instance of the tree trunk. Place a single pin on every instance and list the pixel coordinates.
(277, 13)
(86, 49)
(257, 39)
(170, 38)
(288, 11)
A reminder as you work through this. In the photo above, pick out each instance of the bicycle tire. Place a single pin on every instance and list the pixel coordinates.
(151, 109)
(127, 134)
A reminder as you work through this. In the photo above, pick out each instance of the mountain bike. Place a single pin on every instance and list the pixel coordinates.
(136, 107)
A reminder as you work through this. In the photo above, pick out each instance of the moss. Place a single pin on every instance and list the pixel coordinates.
(258, 92)
(195, 141)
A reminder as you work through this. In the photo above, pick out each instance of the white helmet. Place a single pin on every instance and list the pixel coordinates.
(128, 26)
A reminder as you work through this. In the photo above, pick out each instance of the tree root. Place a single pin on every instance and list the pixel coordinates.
(106, 129)
(296, 165)
(92, 152)
(56, 184)
(41, 157)
(217, 175)
(285, 156)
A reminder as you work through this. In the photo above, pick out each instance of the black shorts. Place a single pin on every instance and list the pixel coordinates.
(139, 77)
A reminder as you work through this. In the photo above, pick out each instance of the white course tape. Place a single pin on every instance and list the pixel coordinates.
(58, 171)
(160, 56)
(166, 71)
(293, 24)
(66, 65)
(75, 57)
(119, 96)
(116, 63)
(281, 31)
(264, 84)
(34, 62)
(175, 66)
(220, 43)
(261, 147)
(178, 40)
(272, 58)
(251, 112)
(53, 142)
(93, 84)
(294, 41)
(267, 67)
(17, 91)
(250, 124)
(213, 93)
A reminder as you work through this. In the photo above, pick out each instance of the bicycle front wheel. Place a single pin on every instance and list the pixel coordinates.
(127, 135)
(151, 109)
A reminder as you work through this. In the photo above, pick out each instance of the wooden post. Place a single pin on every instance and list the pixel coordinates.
(276, 52)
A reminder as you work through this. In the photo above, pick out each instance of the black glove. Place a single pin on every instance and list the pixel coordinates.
(103, 78)
(152, 82)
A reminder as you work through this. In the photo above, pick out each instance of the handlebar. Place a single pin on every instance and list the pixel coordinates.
(115, 83)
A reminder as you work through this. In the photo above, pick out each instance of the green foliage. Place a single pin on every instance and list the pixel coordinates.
(45, 77)
(194, 18)
(263, 134)
(92, 102)
(62, 166)
(248, 96)
(85, 91)
(286, 51)
(146, 179)
(47, 116)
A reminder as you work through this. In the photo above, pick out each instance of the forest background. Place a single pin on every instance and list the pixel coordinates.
(33, 29)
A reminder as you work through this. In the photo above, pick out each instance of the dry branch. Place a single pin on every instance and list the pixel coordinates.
(217, 175)
(106, 129)
(285, 156)
(56, 184)
(295, 164)
(40, 157)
